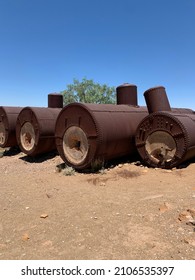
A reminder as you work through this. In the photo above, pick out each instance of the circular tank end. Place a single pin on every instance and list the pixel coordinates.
(160, 146)
(2, 134)
(27, 136)
(75, 145)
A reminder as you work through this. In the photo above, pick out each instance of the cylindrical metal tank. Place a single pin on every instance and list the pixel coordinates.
(157, 100)
(8, 117)
(88, 133)
(55, 100)
(35, 130)
(126, 94)
(166, 139)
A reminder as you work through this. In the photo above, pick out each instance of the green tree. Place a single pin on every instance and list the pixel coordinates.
(87, 91)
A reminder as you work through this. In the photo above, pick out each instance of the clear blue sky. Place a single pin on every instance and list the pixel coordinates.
(44, 44)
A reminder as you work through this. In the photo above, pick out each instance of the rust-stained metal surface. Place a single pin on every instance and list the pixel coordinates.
(157, 100)
(126, 94)
(182, 111)
(35, 130)
(55, 100)
(8, 117)
(87, 134)
(166, 139)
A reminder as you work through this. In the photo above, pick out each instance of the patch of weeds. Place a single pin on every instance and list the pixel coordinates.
(1, 154)
(102, 171)
(12, 151)
(96, 165)
(60, 167)
(69, 171)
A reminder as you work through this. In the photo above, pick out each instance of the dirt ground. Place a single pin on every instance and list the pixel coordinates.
(127, 211)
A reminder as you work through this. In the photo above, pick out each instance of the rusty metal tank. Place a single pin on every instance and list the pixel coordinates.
(166, 139)
(126, 94)
(89, 133)
(35, 130)
(55, 100)
(8, 117)
(157, 100)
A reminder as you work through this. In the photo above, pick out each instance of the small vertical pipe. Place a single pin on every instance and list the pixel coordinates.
(126, 94)
(157, 100)
(55, 100)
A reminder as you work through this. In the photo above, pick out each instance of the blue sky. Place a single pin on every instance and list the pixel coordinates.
(45, 44)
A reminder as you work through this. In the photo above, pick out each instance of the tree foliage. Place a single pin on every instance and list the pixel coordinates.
(87, 91)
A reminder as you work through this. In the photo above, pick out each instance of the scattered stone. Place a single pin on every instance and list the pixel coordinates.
(184, 216)
(102, 184)
(44, 216)
(25, 237)
(191, 223)
(192, 212)
(164, 207)
(27, 207)
(145, 171)
(189, 241)
(94, 218)
(188, 216)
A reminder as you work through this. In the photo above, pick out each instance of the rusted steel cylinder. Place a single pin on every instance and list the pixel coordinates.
(35, 130)
(166, 139)
(8, 117)
(126, 94)
(87, 134)
(182, 111)
(55, 100)
(157, 100)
